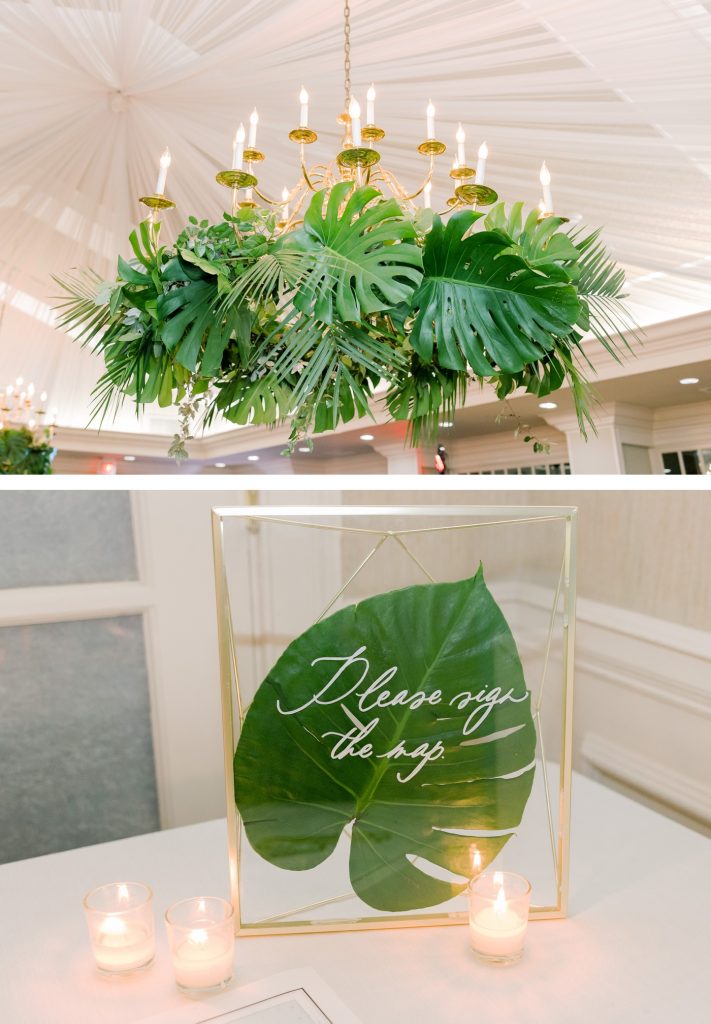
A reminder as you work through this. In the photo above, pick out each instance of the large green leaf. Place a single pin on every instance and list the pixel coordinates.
(458, 769)
(482, 305)
(362, 256)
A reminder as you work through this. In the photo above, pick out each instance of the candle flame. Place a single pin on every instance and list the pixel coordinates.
(498, 878)
(483, 151)
(254, 117)
(303, 96)
(285, 195)
(198, 936)
(460, 136)
(43, 396)
(123, 893)
(455, 164)
(476, 862)
(165, 159)
(370, 95)
(430, 109)
(354, 107)
(500, 902)
(545, 175)
(19, 382)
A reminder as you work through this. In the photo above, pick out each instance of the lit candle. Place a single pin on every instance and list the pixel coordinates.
(354, 111)
(30, 390)
(545, 179)
(201, 937)
(120, 921)
(455, 164)
(238, 149)
(460, 137)
(481, 164)
(163, 172)
(253, 122)
(427, 195)
(43, 397)
(370, 108)
(19, 382)
(498, 916)
(304, 101)
(285, 201)
(430, 120)
(248, 195)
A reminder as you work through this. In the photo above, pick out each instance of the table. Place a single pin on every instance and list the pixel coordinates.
(636, 947)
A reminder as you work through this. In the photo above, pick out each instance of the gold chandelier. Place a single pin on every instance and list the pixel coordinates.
(358, 161)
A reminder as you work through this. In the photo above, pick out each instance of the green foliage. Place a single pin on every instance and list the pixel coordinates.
(21, 454)
(304, 326)
(296, 798)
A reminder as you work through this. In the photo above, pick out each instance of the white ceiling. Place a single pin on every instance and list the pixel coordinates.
(615, 94)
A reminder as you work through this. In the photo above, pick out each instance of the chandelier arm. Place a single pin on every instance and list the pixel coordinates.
(398, 188)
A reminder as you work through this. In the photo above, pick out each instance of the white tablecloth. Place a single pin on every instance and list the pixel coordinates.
(636, 948)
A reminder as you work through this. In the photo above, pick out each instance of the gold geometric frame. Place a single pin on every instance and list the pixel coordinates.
(233, 709)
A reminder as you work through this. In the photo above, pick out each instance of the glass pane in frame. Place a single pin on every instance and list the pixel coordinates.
(279, 570)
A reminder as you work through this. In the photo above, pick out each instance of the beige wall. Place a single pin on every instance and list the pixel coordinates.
(647, 551)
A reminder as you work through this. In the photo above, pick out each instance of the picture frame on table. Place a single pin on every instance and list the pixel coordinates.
(484, 597)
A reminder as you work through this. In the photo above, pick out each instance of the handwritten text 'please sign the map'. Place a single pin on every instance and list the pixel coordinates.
(374, 696)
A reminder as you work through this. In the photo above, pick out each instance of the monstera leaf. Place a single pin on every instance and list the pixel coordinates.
(536, 239)
(405, 717)
(483, 305)
(360, 255)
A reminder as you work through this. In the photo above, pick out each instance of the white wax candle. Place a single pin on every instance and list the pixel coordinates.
(545, 179)
(497, 933)
(238, 149)
(248, 195)
(304, 101)
(163, 172)
(203, 960)
(285, 201)
(481, 164)
(122, 945)
(354, 111)
(460, 137)
(430, 120)
(253, 122)
(370, 107)
(427, 195)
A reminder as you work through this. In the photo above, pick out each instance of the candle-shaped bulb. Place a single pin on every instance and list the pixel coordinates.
(285, 195)
(253, 122)
(500, 901)
(481, 164)
(285, 201)
(30, 390)
(427, 195)
(163, 172)
(460, 137)
(304, 101)
(354, 112)
(43, 397)
(19, 382)
(455, 164)
(9, 390)
(370, 96)
(430, 120)
(545, 179)
(238, 148)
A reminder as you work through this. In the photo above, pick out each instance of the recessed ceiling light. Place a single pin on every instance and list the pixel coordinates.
(547, 405)
(367, 437)
(446, 423)
(129, 458)
(304, 449)
(252, 458)
(689, 380)
(220, 465)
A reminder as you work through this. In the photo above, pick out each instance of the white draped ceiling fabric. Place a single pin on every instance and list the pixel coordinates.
(614, 94)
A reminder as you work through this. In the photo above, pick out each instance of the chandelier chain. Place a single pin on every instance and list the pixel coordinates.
(347, 52)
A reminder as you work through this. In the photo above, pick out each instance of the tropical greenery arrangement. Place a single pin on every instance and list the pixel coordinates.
(22, 453)
(264, 326)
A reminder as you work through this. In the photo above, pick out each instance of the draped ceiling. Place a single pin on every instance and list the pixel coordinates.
(614, 94)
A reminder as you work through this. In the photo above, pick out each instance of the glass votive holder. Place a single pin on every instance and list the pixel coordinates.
(120, 920)
(201, 938)
(498, 916)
